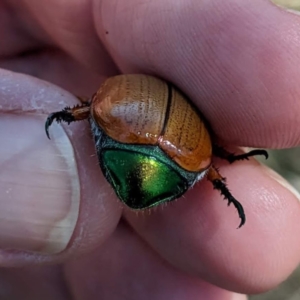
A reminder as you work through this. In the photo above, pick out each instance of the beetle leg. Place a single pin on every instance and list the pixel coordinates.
(84, 100)
(68, 115)
(231, 157)
(219, 184)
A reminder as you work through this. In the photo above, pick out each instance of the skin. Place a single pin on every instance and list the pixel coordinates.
(238, 62)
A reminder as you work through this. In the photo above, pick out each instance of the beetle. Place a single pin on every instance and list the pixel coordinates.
(152, 143)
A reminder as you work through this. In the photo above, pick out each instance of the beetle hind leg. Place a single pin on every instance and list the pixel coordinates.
(68, 115)
(231, 157)
(219, 184)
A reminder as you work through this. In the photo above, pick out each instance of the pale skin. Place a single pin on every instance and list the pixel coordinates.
(238, 61)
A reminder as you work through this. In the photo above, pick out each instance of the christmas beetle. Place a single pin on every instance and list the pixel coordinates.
(152, 143)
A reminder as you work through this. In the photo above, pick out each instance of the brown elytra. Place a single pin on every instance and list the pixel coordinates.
(140, 109)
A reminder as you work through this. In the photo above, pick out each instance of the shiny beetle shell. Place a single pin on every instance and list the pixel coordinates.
(140, 109)
(152, 143)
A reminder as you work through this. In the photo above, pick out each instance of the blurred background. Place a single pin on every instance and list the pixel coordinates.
(292, 4)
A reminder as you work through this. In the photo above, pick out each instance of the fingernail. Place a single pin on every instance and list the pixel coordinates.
(39, 185)
(282, 181)
(239, 297)
(289, 5)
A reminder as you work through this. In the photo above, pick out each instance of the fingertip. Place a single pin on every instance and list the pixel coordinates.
(231, 58)
(198, 234)
(55, 201)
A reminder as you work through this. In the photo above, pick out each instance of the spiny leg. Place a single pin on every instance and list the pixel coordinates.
(219, 184)
(68, 115)
(231, 157)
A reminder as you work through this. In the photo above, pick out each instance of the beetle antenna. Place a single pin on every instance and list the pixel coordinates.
(232, 157)
(68, 115)
(219, 184)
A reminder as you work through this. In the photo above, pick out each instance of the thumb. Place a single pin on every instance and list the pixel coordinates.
(53, 197)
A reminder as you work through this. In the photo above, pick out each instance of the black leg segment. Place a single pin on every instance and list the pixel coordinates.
(60, 116)
(222, 188)
(231, 157)
(68, 115)
(219, 184)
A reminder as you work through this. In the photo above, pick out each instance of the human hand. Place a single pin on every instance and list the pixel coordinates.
(237, 61)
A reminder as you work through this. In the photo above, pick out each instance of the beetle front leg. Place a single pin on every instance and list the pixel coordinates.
(68, 115)
(84, 100)
(231, 157)
(219, 184)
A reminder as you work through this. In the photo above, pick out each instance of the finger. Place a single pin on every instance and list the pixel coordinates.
(68, 25)
(18, 31)
(126, 268)
(237, 60)
(21, 283)
(53, 196)
(36, 53)
(57, 67)
(198, 233)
